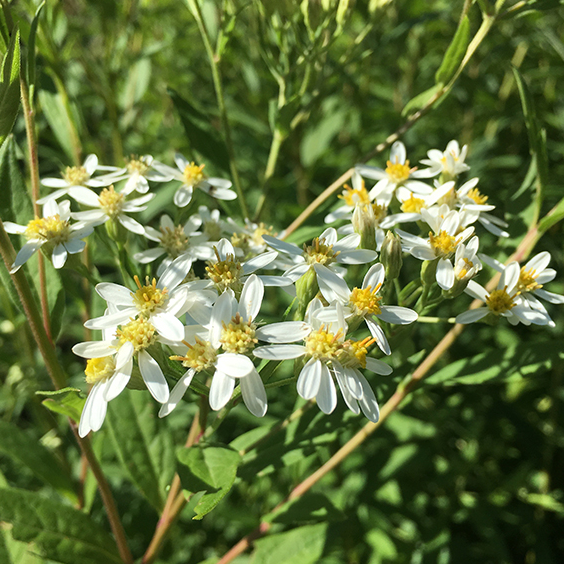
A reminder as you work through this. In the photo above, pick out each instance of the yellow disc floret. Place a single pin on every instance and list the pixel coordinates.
(397, 172)
(463, 272)
(527, 281)
(174, 241)
(412, 205)
(320, 253)
(238, 336)
(136, 165)
(353, 353)
(148, 298)
(111, 201)
(75, 175)
(51, 229)
(443, 244)
(193, 174)
(322, 344)
(499, 301)
(199, 356)
(353, 196)
(99, 369)
(365, 301)
(139, 332)
(225, 273)
(474, 194)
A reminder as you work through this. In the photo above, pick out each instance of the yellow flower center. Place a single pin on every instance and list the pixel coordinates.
(148, 298)
(412, 205)
(474, 194)
(139, 332)
(354, 196)
(213, 230)
(50, 228)
(75, 175)
(463, 272)
(380, 212)
(365, 301)
(527, 281)
(174, 241)
(99, 369)
(111, 201)
(499, 301)
(353, 353)
(238, 336)
(443, 244)
(200, 356)
(137, 165)
(193, 174)
(320, 253)
(322, 344)
(225, 273)
(397, 172)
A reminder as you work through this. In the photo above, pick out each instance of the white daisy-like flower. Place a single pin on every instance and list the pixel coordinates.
(232, 329)
(192, 176)
(213, 226)
(329, 355)
(362, 303)
(112, 206)
(443, 241)
(247, 241)
(175, 241)
(109, 368)
(159, 302)
(75, 180)
(138, 171)
(397, 173)
(325, 250)
(466, 264)
(449, 162)
(505, 301)
(53, 232)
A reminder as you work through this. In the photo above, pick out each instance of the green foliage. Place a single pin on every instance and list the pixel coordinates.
(455, 53)
(10, 86)
(67, 401)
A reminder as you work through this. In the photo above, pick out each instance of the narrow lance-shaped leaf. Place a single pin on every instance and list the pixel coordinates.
(10, 87)
(455, 52)
(30, 64)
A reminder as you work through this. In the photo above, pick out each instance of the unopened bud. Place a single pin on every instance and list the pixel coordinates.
(306, 290)
(116, 231)
(429, 272)
(391, 255)
(364, 223)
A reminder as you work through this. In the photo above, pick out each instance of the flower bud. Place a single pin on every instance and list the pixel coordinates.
(429, 271)
(391, 255)
(306, 290)
(116, 231)
(364, 223)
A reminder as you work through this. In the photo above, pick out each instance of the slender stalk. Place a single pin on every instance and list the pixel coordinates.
(194, 6)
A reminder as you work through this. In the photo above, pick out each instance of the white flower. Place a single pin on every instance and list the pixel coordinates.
(504, 301)
(112, 206)
(75, 179)
(466, 263)
(442, 243)
(192, 176)
(158, 302)
(362, 303)
(397, 173)
(450, 162)
(231, 329)
(329, 355)
(109, 369)
(138, 171)
(175, 241)
(212, 224)
(247, 241)
(53, 230)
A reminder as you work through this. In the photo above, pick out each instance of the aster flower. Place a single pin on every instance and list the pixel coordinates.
(53, 232)
(75, 180)
(505, 301)
(362, 303)
(397, 173)
(330, 356)
(192, 176)
(175, 241)
(231, 329)
(247, 241)
(112, 206)
(159, 302)
(449, 162)
(213, 226)
(138, 171)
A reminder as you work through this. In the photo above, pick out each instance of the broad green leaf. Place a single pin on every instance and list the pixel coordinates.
(455, 52)
(304, 545)
(30, 62)
(203, 137)
(210, 469)
(421, 100)
(68, 401)
(28, 452)
(10, 87)
(142, 443)
(311, 507)
(16, 552)
(60, 533)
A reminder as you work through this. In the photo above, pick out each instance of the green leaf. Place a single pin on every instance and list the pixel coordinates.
(137, 82)
(143, 444)
(304, 545)
(549, 220)
(60, 533)
(210, 469)
(455, 52)
(421, 100)
(16, 552)
(67, 401)
(24, 450)
(203, 137)
(30, 64)
(311, 507)
(10, 87)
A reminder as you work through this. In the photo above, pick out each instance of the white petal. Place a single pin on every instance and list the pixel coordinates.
(84, 196)
(93, 349)
(222, 312)
(327, 394)
(115, 294)
(74, 246)
(282, 246)
(422, 253)
(14, 227)
(221, 390)
(168, 326)
(153, 376)
(118, 381)
(397, 315)
(59, 256)
(54, 182)
(260, 261)
(397, 153)
(279, 352)
(183, 196)
(539, 262)
(234, 365)
(25, 253)
(445, 274)
(510, 277)
(94, 410)
(360, 256)
(331, 285)
(177, 393)
(131, 225)
(251, 298)
(377, 366)
(309, 379)
(374, 277)
(368, 403)
(254, 394)
(371, 172)
(175, 272)
(377, 332)
(106, 321)
(283, 332)
(550, 297)
(476, 291)
(145, 257)
(352, 382)
(472, 315)
(225, 249)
